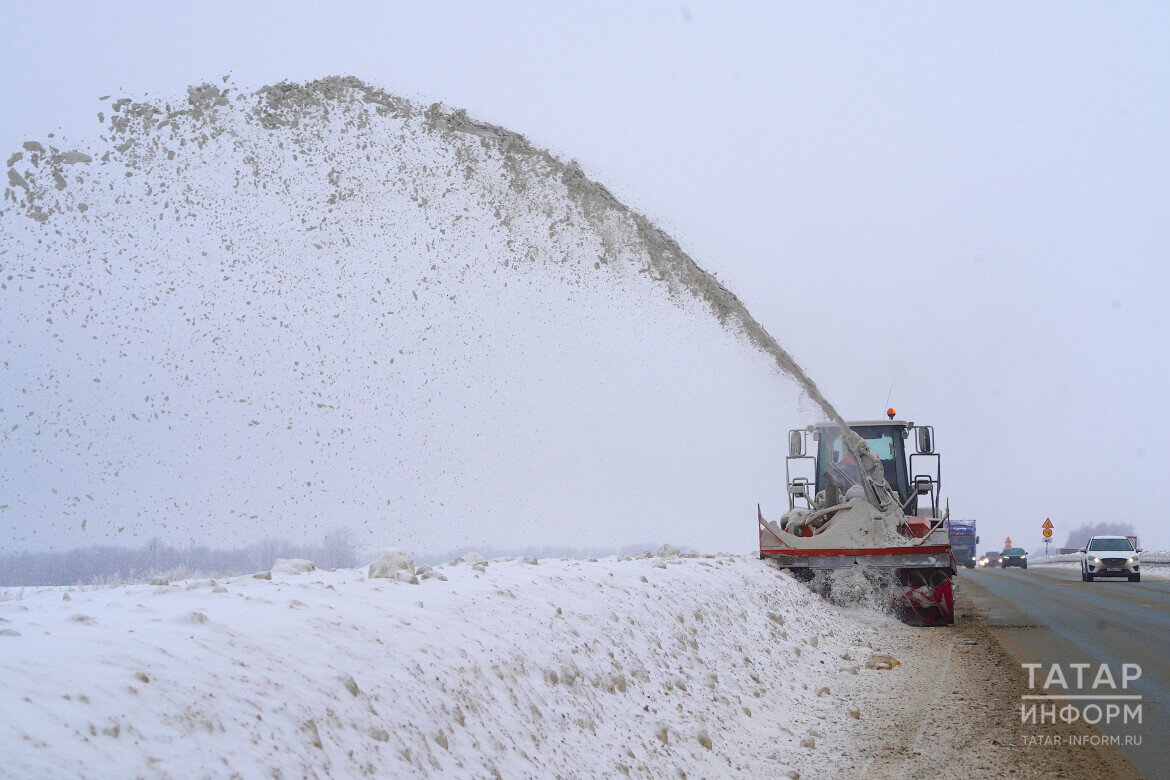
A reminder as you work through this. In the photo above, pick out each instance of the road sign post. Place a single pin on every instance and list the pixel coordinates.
(1046, 529)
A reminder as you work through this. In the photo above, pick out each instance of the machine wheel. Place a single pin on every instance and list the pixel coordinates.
(1135, 577)
(1088, 577)
(1023, 566)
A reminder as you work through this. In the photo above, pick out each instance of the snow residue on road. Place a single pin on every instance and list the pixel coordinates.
(645, 666)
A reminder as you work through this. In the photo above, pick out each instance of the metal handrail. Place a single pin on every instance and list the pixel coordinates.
(788, 478)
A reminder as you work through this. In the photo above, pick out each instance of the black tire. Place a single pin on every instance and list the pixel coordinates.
(1023, 565)
(1089, 577)
(1003, 566)
(1135, 577)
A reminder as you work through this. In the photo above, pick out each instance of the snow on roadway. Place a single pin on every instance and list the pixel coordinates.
(644, 666)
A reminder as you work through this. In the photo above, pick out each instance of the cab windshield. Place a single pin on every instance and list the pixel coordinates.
(885, 441)
(1111, 545)
(1014, 552)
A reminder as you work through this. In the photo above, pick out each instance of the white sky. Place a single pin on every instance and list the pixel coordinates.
(967, 203)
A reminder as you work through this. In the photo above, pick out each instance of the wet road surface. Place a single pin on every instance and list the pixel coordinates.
(1046, 615)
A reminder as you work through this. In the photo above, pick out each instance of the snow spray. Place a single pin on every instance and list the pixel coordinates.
(189, 295)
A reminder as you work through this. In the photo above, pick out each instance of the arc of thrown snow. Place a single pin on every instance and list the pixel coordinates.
(673, 266)
(288, 103)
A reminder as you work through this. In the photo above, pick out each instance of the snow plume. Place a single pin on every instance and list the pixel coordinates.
(857, 587)
(248, 314)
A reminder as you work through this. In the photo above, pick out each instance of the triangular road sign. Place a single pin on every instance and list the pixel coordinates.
(1047, 523)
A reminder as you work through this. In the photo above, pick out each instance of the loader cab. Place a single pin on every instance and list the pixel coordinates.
(835, 462)
(914, 477)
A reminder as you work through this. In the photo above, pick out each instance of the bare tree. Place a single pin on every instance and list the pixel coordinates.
(1079, 537)
(337, 549)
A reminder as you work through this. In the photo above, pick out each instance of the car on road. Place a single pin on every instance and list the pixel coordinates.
(1110, 556)
(1014, 556)
(990, 558)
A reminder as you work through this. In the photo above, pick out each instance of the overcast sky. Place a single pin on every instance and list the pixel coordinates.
(966, 204)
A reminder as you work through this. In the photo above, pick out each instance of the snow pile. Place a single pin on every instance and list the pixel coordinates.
(1051, 560)
(389, 562)
(292, 566)
(712, 666)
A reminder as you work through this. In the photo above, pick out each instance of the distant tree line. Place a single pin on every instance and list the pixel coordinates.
(97, 565)
(546, 551)
(110, 565)
(1079, 537)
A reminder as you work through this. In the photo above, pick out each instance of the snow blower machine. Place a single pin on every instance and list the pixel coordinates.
(857, 506)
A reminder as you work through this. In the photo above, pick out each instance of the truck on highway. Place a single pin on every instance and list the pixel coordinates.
(963, 541)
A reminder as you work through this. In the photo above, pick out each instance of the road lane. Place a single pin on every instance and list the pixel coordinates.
(1047, 615)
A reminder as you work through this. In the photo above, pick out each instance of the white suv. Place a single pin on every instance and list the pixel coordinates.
(1110, 556)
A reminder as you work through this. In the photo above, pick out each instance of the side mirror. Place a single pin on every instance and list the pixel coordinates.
(1139, 550)
(795, 444)
(925, 440)
(976, 540)
(798, 489)
(1084, 550)
(923, 486)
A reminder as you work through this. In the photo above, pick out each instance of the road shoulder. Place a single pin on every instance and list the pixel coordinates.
(953, 709)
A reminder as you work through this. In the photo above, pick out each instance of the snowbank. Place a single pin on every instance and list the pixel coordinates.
(1157, 557)
(1155, 563)
(709, 666)
(292, 566)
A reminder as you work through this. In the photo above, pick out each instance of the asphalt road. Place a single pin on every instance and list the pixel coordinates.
(1047, 615)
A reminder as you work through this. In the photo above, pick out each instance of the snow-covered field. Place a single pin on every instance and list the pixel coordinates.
(645, 666)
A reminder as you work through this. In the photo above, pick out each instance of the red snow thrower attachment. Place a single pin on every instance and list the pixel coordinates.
(928, 599)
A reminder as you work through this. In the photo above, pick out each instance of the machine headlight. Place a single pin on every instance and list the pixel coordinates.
(1129, 560)
(1096, 559)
